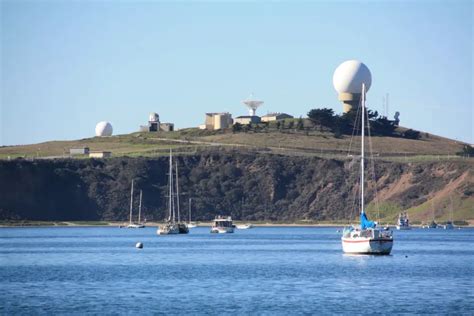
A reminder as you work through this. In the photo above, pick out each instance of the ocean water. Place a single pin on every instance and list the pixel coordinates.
(265, 271)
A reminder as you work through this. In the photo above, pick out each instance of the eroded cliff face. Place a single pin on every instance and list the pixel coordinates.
(248, 186)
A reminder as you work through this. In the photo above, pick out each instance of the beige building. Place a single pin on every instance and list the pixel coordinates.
(167, 127)
(275, 117)
(216, 121)
(247, 119)
(100, 154)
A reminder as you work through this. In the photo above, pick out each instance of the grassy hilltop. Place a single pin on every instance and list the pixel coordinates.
(289, 141)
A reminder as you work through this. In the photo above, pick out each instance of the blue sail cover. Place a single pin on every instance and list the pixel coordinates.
(364, 222)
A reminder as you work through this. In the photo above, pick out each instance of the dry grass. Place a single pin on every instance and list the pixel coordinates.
(289, 142)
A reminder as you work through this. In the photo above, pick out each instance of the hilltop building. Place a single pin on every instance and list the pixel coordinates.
(100, 154)
(79, 151)
(247, 119)
(154, 124)
(215, 121)
(167, 127)
(275, 117)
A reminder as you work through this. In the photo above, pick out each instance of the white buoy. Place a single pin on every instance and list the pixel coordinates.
(139, 245)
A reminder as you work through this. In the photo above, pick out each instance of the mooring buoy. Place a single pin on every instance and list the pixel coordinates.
(139, 245)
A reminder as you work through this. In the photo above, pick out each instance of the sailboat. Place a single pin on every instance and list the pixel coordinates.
(433, 223)
(183, 228)
(449, 224)
(170, 227)
(190, 224)
(131, 223)
(366, 238)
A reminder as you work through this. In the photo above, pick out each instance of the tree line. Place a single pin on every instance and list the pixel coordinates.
(347, 123)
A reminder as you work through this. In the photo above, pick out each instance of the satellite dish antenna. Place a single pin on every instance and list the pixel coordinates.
(252, 104)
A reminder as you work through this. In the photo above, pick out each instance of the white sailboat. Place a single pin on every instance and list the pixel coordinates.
(131, 223)
(449, 224)
(366, 238)
(190, 224)
(170, 227)
(244, 226)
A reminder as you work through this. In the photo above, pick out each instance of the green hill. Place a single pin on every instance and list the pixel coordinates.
(287, 141)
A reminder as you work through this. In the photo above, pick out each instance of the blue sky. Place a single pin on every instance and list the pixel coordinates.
(66, 65)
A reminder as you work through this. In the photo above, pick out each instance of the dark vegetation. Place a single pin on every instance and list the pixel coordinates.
(349, 123)
(246, 185)
(467, 151)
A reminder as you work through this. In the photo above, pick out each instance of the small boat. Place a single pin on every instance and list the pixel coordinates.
(244, 226)
(433, 224)
(170, 227)
(191, 224)
(182, 226)
(403, 221)
(367, 238)
(133, 224)
(449, 224)
(222, 225)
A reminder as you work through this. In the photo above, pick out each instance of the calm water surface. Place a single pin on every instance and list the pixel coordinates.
(283, 270)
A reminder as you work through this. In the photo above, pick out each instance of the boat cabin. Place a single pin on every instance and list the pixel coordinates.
(223, 221)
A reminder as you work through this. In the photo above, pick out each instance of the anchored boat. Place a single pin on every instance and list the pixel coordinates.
(138, 224)
(366, 238)
(222, 225)
(403, 221)
(244, 226)
(190, 224)
(170, 227)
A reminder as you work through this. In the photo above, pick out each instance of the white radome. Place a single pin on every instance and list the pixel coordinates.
(350, 75)
(103, 129)
(153, 117)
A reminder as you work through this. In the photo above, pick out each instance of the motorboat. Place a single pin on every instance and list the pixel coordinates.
(366, 238)
(222, 225)
(403, 221)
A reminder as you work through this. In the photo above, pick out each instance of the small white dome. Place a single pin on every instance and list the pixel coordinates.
(153, 117)
(350, 75)
(103, 129)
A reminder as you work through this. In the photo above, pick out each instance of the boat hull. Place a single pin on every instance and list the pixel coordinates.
(222, 230)
(168, 229)
(246, 226)
(136, 226)
(403, 227)
(367, 246)
(183, 228)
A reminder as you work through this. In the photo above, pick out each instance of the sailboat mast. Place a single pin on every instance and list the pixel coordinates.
(140, 208)
(131, 203)
(362, 164)
(190, 210)
(177, 191)
(170, 180)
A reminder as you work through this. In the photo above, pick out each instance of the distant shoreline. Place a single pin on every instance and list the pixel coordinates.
(4, 224)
